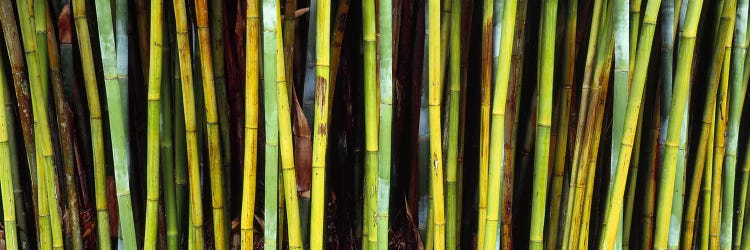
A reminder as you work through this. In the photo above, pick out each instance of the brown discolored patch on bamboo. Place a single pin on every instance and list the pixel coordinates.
(302, 147)
(63, 25)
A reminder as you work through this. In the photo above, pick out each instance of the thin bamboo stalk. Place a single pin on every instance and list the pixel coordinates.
(718, 200)
(191, 138)
(95, 118)
(707, 186)
(64, 119)
(635, 28)
(647, 210)
(222, 102)
(252, 78)
(153, 136)
(6, 180)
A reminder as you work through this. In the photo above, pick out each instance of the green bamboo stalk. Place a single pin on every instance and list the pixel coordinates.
(21, 90)
(630, 193)
(369, 233)
(112, 61)
(621, 86)
(64, 115)
(120, 13)
(191, 138)
(544, 122)
(252, 78)
(454, 102)
(95, 118)
(614, 210)
(736, 98)
(635, 28)
(153, 137)
(707, 186)
(167, 138)
(180, 145)
(6, 180)
(221, 237)
(321, 118)
(498, 120)
(285, 143)
(270, 114)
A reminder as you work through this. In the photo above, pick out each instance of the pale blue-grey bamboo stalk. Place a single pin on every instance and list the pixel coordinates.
(270, 114)
(116, 120)
(621, 91)
(736, 97)
(386, 114)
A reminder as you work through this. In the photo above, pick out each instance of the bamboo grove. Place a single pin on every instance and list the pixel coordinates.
(374, 124)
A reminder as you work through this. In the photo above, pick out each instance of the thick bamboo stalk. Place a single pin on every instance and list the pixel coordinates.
(719, 197)
(270, 118)
(191, 138)
(111, 63)
(167, 136)
(385, 77)
(252, 77)
(153, 135)
(95, 118)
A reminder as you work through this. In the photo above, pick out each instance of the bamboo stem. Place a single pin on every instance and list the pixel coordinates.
(252, 78)
(153, 135)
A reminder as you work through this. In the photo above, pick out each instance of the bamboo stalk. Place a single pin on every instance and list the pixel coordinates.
(64, 116)
(369, 233)
(6, 180)
(454, 102)
(167, 138)
(321, 118)
(621, 89)
(285, 143)
(191, 139)
(544, 123)
(647, 213)
(222, 102)
(221, 237)
(95, 118)
(718, 200)
(736, 99)
(112, 62)
(707, 186)
(484, 131)
(270, 114)
(153, 136)
(252, 78)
